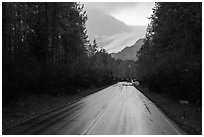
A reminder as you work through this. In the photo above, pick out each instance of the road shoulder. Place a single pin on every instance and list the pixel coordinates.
(32, 106)
(187, 117)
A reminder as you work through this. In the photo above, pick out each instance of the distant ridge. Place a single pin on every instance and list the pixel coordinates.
(129, 53)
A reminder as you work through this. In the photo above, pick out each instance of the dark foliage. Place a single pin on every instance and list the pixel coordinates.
(170, 61)
(46, 50)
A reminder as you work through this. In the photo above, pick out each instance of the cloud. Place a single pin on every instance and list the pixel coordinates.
(114, 23)
(135, 15)
(109, 7)
(131, 13)
(119, 41)
(101, 24)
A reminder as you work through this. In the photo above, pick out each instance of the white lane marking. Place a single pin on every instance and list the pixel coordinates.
(169, 123)
(161, 113)
(97, 119)
(93, 123)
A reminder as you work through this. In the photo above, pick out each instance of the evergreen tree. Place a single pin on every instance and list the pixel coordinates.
(170, 59)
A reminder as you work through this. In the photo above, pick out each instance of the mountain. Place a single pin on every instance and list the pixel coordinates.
(129, 53)
(110, 33)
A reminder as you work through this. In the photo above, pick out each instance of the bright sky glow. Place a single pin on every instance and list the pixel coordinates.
(134, 15)
(131, 13)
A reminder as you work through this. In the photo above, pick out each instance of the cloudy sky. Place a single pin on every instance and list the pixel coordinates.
(131, 13)
(116, 25)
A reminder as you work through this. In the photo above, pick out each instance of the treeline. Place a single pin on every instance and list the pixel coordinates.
(170, 61)
(45, 49)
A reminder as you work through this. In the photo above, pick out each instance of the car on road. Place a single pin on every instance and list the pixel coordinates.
(127, 84)
(136, 83)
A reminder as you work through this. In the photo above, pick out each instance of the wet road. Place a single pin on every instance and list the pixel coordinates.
(118, 109)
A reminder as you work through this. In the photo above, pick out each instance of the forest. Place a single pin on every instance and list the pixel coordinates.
(49, 65)
(170, 61)
(45, 49)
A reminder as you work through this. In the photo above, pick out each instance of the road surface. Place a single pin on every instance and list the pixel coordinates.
(118, 109)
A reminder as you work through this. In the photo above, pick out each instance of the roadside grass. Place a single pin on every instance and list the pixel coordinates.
(31, 105)
(188, 117)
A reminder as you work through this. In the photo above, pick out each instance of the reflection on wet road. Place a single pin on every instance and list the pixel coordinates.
(118, 109)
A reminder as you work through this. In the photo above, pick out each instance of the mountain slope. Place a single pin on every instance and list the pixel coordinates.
(111, 33)
(129, 53)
